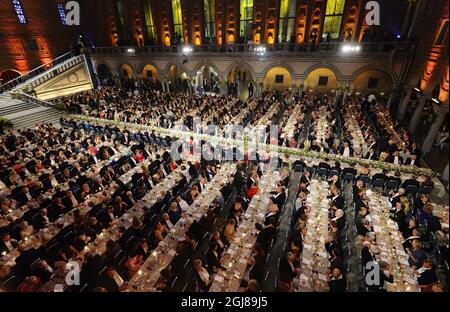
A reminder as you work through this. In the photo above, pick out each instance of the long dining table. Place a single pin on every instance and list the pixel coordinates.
(149, 273)
(36, 239)
(236, 257)
(314, 257)
(389, 239)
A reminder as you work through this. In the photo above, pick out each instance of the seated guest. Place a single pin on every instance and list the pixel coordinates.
(253, 190)
(44, 271)
(157, 235)
(416, 254)
(212, 257)
(304, 180)
(256, 262)
(93, 227)
(287, 270)
(395, 158)
(280, 197)
(203, 278)
(364, 227)
(398, 215)
(337, 282)
(385, 275)
(167, 222)
(338, 200)
(229, 230)
(252, 286)
(426, 276)
(346, 150)
(174, 213)
(112, 281)
(411, 161)
(41, 220)
(221, 243)
(7, 244)
(396, 197)
(81, 241)
(25, 230)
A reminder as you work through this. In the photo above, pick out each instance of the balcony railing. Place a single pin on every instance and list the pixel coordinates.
(373, 48)
(31, 78)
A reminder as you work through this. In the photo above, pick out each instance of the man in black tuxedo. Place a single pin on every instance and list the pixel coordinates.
(371, 155)
(346, 150)
(287, 269)
(41, 220)
(411, 161)
(395, 158)
(279, 196)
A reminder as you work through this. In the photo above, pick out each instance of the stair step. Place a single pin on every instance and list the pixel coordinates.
(26, 112)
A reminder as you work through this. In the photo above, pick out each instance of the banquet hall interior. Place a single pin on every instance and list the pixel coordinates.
(224, 146)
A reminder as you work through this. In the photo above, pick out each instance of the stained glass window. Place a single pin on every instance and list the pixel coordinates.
(19, 11)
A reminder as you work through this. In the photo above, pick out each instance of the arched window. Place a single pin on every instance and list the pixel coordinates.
(333, 18)
(287, 20)
(19, 11)
(209, 8)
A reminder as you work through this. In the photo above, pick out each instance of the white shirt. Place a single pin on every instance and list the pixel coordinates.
(169, 224)
(396, 160)
(183, 205)
(346, 152)
(204, 275)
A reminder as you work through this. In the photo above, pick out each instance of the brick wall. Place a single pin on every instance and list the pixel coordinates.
(42, 38)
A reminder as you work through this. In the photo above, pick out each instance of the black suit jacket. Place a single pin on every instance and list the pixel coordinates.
(286, 272)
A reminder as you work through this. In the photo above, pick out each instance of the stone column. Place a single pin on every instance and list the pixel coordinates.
(441, 110)
(406, 20)
(163, 84)
(418, 112)
(404, 103)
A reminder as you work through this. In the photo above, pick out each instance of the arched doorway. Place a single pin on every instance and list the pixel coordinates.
(277, 78)
(321, 80)
(373, 81)
(126, 71)
(206, 80)
(151, 76)
(238, 80)
(8, 75)
(178, 79)
(104, 74)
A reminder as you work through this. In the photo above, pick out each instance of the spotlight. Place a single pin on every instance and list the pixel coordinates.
(399, 36)
(351, 48)
(418, 90)
(187, 50)
(260, 50)
(131, 50)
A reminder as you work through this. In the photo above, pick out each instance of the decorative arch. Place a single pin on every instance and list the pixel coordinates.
(204, 64)
(149, 67)
(128, 68)
(314, 79)
(331, 67)
(282, 65)
(180, 66)
(240, 64)
(362, 81)
(278, 78)
(386, 69)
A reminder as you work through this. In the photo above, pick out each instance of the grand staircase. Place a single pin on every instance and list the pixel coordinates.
(24, 114)
(24, 110)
